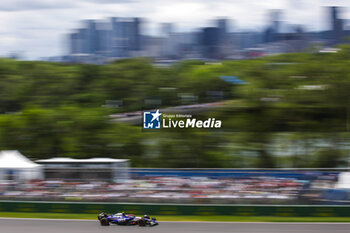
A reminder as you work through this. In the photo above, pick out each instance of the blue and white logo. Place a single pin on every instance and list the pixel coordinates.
(151, 120)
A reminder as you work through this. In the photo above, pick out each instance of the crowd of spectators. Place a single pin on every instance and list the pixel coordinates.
(257, 189)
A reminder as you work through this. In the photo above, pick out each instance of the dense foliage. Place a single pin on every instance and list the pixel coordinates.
(292, 113)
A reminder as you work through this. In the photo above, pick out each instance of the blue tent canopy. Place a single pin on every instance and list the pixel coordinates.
(233, 80)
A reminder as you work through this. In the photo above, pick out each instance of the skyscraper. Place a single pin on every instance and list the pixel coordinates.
(125, 36)
(91, 37)
(135, 37)
(337, 33)
(74, 43)
(117, 37)
(210, 42)
(104, 38)
(222, 25)
(166, 29)
(275, 20)
(274, 28)
(225, 43)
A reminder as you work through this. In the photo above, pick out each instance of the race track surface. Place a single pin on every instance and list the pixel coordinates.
(67, 226)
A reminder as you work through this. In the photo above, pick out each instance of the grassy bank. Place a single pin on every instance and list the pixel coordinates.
(183, 218)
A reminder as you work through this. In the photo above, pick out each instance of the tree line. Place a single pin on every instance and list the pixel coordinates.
(293, 111)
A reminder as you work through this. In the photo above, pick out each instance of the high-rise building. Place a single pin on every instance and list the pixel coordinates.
(104, 38)
(247, 40)
(222, 24)
(125, 36)
(210, 42)
(225, 40)
(91, 37)
(166, 29)
(77, 42)
(135, 35)
(274, 28)
(337, 31)
(275, 20)
(74, 43)
(118, 37)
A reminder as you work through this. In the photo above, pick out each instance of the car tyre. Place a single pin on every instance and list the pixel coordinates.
(104, 222)
(142, 223)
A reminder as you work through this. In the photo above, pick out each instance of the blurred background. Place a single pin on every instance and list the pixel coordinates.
(278, 79)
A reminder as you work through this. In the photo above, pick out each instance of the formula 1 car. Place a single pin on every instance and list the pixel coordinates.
(126, 219)
(147, 221)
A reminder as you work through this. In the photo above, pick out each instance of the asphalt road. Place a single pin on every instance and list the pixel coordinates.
(68, 226)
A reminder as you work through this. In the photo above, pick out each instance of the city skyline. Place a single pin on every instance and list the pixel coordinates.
(37, 29)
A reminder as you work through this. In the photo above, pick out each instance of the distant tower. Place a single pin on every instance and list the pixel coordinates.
(135, 35)
(104, 38)
(167, 29)
(91, 36)
(125, 36)
(275, 20)
(272, 31)
(222, 25)
(210, 42)
(337, 25)
(74, 43)
(225, 47)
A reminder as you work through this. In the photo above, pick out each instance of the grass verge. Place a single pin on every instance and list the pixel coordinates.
(183, 218)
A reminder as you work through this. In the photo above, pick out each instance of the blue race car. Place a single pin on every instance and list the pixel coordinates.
(147, 221)
(126, 219)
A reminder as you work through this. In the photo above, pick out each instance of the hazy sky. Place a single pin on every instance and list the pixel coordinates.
(38, 28)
